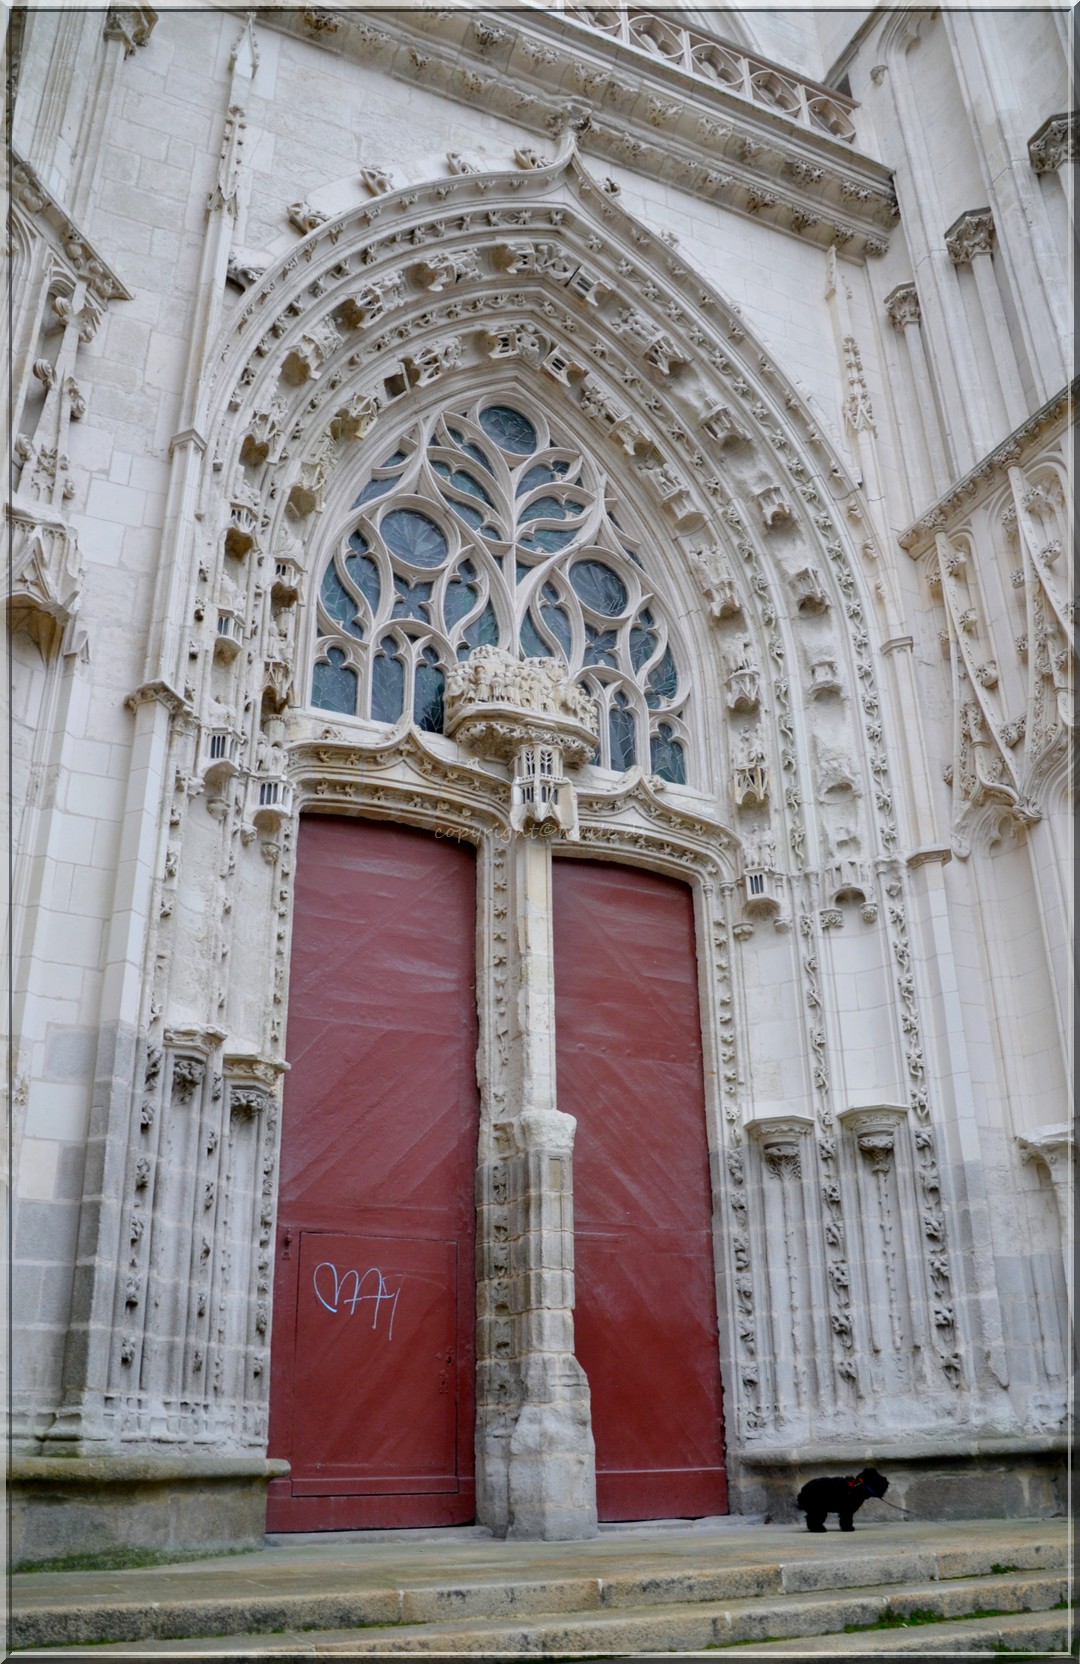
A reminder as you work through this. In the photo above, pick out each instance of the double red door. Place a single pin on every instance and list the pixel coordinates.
(372, 1378)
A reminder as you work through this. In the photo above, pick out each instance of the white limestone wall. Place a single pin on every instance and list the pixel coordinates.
(93, 831)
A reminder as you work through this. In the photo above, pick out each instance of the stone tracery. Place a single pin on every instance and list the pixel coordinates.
(519, 543)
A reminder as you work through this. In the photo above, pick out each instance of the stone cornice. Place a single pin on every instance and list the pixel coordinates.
(547, 72)
(72, 245)
(987, 473)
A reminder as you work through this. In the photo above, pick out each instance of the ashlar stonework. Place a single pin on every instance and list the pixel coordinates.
(584, 437)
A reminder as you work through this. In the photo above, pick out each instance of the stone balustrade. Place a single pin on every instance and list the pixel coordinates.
(711, 59)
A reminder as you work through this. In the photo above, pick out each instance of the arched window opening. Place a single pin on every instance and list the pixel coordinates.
(482, 526)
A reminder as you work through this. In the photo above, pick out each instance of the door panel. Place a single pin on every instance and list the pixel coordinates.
(630, 1070)
(372, 1372)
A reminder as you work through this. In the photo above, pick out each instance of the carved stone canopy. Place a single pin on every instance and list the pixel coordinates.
(873, 1119)
(875, 1131)
(496, 704)
(779, 1132)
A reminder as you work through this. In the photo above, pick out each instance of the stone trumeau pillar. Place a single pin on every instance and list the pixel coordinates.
(528, 716)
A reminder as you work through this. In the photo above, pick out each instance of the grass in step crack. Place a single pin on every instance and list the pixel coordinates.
(128, 1559)
(923, 1615)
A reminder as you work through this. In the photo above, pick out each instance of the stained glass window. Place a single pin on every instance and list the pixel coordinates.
(387, 682)
(668, 756)
(599, 587)
(483, 525)
(509, 428)
(623, 732)
(414, 537)
(334, 684)
(428, 692)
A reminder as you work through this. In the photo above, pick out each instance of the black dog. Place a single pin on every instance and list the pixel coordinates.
(839, 1496)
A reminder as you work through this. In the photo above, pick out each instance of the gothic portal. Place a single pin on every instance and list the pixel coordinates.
(542, 761)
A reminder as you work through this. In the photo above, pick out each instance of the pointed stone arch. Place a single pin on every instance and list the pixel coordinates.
(541, 280)
(543, 270)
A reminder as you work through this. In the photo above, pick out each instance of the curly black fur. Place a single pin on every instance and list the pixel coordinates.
(839, 1496)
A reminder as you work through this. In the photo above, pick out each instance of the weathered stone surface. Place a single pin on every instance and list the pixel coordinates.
(248, 292)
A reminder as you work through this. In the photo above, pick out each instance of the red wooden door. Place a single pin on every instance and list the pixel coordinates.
(372, 1370)
(630, 1069)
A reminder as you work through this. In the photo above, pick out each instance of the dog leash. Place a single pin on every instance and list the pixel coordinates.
(878, 1498)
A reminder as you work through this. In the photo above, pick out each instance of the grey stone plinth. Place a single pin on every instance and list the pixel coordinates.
(105, 1506)
(989, 1478)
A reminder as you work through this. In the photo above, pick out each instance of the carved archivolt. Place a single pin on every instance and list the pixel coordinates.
(358, 381)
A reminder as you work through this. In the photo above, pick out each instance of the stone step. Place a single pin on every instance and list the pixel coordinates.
(348, 1588)
(1016, 1632)
(667, 1627)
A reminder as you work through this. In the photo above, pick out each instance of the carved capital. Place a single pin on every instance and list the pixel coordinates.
(1053, 143)
(780, 1138)
(902, 305)
(971, 235)
(158, 693)
(247, 1073)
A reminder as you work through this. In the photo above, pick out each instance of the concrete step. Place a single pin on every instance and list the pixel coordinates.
(685, 1626)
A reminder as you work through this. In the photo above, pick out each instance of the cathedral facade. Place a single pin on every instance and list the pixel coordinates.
(541, 741)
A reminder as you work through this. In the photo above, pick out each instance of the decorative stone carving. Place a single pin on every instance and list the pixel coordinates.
(372, 302)
(742, 682)
(761, 880)
(243, 532)
(750, 770)
(306, 359)
(673, 494)
(444, 271)
(824, 676)
(714, 574)
(304, 218)
(808, 589)
(971, 235)
(132, 25)
(724, 426)
(837, 775)
(529, 713)
(773, 506)
(902, 305)
(45, 573)
(1054, 143)
(608, 412)
(780, 1138)
(377, 181)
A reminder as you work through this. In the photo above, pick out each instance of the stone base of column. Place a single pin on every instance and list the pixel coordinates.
(112, 1510)
(551, 1481)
